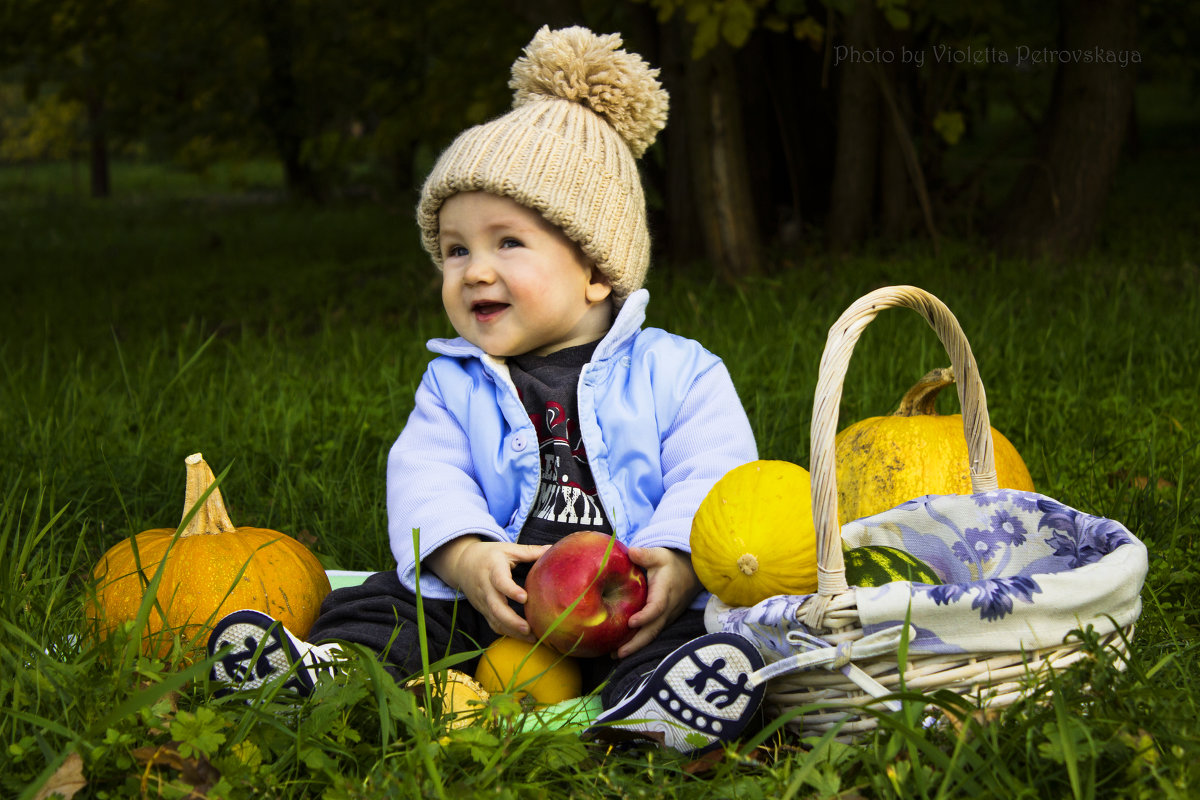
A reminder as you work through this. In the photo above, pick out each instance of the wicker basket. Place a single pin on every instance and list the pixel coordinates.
(861, 666)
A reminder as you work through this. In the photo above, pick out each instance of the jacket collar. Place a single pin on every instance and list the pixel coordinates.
(627, 323)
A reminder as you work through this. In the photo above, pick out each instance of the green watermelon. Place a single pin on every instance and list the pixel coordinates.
(877, 564)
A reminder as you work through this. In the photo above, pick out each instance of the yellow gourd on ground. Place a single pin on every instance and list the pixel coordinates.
(885, 461)
(753, 535)
(459, 699)
(212, 569)
(532, 670)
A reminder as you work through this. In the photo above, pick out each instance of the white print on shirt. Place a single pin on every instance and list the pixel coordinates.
(560, 498)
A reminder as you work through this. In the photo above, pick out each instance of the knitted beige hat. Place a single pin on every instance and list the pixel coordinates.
(583, 112)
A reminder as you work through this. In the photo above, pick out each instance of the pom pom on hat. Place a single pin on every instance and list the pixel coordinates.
(583, 112)
(576, 64)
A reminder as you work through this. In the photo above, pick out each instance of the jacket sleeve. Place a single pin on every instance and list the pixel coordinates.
(709, 436)
(432, 488)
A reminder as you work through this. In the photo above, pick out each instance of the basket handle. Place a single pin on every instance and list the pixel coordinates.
(831, 568)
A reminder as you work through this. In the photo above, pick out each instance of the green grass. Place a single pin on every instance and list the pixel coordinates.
(285, 342)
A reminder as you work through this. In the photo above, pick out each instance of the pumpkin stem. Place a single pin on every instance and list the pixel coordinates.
(211, 518)
(920, 400)
(748, 564)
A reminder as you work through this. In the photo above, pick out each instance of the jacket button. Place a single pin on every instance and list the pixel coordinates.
(518, 442)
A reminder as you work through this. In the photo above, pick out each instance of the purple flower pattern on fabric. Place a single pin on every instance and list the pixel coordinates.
(986, 498)
(993, 596)
(1080, 538)
(1022, 501)
(996, 595)
(945, 594)
(1008, 528)
(979, 546)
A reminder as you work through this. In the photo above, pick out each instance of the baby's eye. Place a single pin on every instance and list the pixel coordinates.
(455, 250)
(510, 242)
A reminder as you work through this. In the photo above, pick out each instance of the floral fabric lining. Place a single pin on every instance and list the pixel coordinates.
(1019, 570)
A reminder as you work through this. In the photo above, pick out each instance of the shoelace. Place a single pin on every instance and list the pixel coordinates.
(824, 654)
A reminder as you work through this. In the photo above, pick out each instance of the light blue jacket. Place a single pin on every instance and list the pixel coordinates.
(660, 420)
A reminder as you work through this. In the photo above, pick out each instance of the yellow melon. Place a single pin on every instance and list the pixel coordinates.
(753, 535)
(528, 670)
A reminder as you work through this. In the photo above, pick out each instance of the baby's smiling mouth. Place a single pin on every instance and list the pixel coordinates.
(486, 309)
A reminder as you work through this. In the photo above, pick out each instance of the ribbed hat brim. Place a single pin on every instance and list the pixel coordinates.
(563, 161)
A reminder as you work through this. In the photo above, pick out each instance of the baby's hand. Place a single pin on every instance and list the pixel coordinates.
(482, 570)
(672, 587)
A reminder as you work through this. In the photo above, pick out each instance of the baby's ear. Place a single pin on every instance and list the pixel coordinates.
(599, 287)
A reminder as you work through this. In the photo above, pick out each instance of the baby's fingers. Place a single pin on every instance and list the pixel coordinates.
(520, 553)
(655, 607)
(506, 622)
(502, 581)
(642, 638)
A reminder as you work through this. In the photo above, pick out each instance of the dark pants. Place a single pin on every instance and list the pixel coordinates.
(381, 615)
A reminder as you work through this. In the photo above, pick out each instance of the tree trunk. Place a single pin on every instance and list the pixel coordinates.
(899, 167)
(852, 198)
(1057, 203)
(897, 200)
(279, 104)
(98, 162)
(721, 177)
(680, 214)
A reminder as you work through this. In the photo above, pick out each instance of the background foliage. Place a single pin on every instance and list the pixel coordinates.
(794, 122)
(252, 289)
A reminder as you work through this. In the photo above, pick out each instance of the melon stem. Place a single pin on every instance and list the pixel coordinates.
(211, 518)
(748, 564)
(921, 399)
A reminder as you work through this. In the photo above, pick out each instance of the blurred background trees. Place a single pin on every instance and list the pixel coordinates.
(794, 123)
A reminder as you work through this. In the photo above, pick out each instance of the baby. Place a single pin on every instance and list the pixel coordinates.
(553, 411)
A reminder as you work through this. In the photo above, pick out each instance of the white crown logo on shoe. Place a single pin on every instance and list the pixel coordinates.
(254, 649)
(698, 698)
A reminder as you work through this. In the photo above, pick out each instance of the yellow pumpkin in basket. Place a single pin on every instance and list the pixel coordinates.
(753, 535)
(884, 461)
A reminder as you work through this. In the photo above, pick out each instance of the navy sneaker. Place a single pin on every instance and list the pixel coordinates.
(254, 649)
(697, 698)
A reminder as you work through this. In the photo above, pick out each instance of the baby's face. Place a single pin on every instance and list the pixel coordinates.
(512, 283)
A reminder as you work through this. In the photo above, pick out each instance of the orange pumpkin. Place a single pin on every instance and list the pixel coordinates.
(212, 568)
(885, 461)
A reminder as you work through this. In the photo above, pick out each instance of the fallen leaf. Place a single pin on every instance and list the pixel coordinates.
(704, 763)
(171, 700)
(1137, 481)
(66, 780)
(974, 721)
(197, 772)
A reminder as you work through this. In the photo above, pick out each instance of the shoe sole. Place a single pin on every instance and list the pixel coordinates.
(699, 689)
(260, 651)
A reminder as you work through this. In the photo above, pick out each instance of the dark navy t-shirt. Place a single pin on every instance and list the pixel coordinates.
(566, 501)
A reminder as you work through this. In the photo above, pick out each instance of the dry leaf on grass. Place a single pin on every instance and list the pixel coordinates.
(66, 780)
(195, 771)
(1137, 481)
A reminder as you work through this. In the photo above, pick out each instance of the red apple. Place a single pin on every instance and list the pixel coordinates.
(593, 568)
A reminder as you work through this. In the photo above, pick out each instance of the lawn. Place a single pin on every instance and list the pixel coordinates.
(285, 342)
